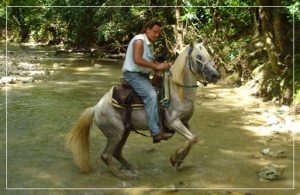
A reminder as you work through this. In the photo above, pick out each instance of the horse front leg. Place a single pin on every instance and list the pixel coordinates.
(179, 155)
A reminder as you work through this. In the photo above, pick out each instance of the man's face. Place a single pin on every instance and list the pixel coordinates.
(153, 33)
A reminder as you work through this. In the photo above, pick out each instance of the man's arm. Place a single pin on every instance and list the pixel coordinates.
(138, 49)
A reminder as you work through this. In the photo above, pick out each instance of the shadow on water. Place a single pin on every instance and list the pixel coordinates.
(40, 115)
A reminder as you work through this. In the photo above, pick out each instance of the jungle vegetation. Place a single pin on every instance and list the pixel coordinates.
(245, 37)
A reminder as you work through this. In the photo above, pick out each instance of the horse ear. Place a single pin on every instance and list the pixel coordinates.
(204, 42)
(192, 44)
(201, 45)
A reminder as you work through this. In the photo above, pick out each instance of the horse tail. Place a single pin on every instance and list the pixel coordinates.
(78, 140)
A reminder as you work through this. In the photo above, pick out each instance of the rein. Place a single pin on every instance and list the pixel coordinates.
(187, 86)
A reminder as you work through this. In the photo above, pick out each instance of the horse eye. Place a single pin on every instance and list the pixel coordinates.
(199, 57)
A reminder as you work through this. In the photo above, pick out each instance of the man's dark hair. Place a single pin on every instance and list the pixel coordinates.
(150, 24)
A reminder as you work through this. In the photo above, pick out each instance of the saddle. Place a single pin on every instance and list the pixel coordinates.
(124, 97)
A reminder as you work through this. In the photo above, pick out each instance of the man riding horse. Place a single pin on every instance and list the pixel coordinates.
(193, 64)
(139, 63)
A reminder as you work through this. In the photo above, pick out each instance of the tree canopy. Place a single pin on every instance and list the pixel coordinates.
(244, 36)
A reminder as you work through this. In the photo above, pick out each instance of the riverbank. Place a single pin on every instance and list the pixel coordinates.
(26, 63)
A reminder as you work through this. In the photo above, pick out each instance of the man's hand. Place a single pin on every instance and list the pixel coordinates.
(163, 66)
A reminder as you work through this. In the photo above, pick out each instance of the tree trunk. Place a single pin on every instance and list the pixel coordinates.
(214, 16)
(266, 18)
(281, 31)
(257, 24)
(178, 29)
(24, 32)
(274, 33)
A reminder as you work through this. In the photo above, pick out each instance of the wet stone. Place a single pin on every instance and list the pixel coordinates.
(265, 151)
(278, 154)
(211, 96)
(270, 172)
(275, 154)
(26, 79)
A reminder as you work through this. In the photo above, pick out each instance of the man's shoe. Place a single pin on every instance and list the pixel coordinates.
(161, 136)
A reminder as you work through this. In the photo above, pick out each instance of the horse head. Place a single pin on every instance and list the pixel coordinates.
(201, 63)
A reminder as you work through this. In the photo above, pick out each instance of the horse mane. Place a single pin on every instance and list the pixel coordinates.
(178, 71)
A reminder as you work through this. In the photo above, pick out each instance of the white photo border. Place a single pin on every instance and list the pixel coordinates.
(6, 98)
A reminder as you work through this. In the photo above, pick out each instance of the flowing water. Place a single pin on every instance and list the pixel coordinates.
(40, 115)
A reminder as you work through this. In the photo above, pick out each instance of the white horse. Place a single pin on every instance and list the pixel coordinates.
(192, 64)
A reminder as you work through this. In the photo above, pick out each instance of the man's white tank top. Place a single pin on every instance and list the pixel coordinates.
(129, 64)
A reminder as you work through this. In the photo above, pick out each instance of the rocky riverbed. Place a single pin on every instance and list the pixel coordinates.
(21, 67)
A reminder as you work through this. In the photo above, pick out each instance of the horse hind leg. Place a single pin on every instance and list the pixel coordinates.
(113, 141)
(118, 152)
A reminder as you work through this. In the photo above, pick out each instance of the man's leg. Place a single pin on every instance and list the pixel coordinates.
(146, 91)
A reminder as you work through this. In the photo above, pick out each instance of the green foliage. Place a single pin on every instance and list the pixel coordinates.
(228, 29)
(237, 3)
(294, 9)
(2, 16)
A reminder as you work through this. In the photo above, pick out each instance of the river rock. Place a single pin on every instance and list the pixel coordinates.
(8, 80)
(24, 73)
(270, 172)
(271, 119)
(274, 154)
(34, 60)
(15, 72)
(58, 65)
(26, 79)
(38, 73)
(265, 151)
(278, 154)
(284, 109)
(211, 96)
(21, 67)
(25, 66)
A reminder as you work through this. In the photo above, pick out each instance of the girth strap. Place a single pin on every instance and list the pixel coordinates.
(141, 133)
(127, 122)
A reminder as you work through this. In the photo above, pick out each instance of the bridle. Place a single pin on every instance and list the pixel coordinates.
(190, 66)
(209, 62)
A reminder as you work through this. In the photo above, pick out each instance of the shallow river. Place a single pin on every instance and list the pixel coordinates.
(40, 114)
